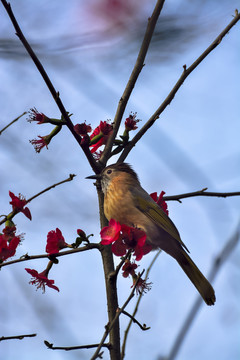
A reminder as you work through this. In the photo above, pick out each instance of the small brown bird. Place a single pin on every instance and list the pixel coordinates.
(127, 202)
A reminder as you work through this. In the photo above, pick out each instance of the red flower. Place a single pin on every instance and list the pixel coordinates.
(110, 233)
(41, 280)
(129, 268)
(40, 143)
(159, 200)
(142, 286)
(130, 122)
(82, 129)
(34, 115)
(100, 135)
(18, 204)
(55, 242)
(8, 248)
(135, 239)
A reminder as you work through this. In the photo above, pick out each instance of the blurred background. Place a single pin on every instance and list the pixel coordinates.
(89, 49)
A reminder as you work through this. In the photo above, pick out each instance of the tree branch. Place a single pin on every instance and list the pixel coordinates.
(19, 337)
(137, 305)
(12, 122)
(169, 98)
(55, 94)
(133, 79)
(14, 212)
(220, 259)
(68, 348)
(142, 327)
(27, 257)
(202, 192)
(118, 313)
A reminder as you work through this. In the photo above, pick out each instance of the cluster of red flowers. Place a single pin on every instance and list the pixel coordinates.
(98, 137)
(101, 133)
(123, 238)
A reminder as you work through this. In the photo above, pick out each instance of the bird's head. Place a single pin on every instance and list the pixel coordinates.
(122, 172)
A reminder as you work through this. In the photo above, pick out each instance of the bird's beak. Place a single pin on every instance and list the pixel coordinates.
(97, 177)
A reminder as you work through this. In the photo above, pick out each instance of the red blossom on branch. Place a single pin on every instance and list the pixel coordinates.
(18, 203)
(129, 268)
(142, 285)
(8, 248)
(131, 122)
(40, 143)
(159, 200)
(110, 233)
(55, 242)
(100, 135)
(82, 129)
(34, 115)
(41, 280)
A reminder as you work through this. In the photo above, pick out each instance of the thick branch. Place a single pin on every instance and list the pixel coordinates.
(169, 98)
(133, 78)
(220, 259)
(55, 94)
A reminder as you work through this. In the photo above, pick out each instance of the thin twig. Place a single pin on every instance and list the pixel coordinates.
(133, 78)
(142, 327)
(12, 122)
(110, 325)
(27, 257)
(220, 259)
(202, 192)
(14, 212)
(137, 305)
(19, 337)
(68, 348)
(169, 98)
(55, 94)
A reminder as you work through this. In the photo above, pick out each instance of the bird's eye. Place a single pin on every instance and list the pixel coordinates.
(109, 171)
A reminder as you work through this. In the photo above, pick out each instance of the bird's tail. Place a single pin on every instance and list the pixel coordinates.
(199, 281)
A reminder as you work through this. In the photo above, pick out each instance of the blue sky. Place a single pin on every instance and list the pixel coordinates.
(194, 144)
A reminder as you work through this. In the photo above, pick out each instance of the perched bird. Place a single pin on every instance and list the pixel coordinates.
(127, 202)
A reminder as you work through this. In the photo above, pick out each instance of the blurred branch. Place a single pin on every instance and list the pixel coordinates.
(136, 307)
(68, 348)
(19, 337)
(27, 257)
(12, 122)
(55, 94)
(202, 192)
(133, 78)
(14, 212)
(169, 98)
(220, 259)
(111, 324)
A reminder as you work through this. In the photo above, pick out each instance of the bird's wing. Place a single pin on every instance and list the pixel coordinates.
(147, 205)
